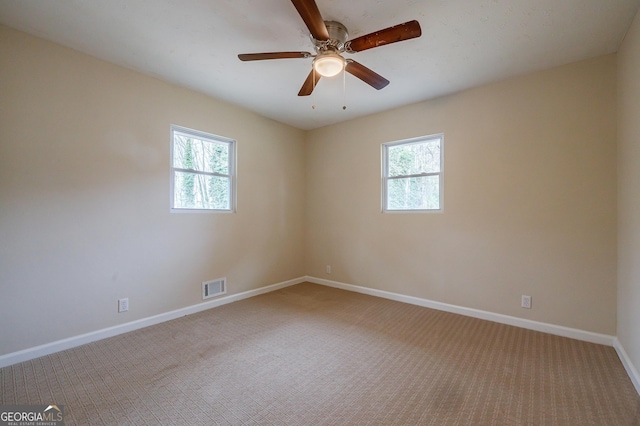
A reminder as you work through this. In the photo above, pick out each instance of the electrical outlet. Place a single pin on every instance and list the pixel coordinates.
(526, 301)
(328, 269)
(123, 305)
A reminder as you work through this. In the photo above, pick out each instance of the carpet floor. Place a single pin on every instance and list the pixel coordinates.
(313, 355)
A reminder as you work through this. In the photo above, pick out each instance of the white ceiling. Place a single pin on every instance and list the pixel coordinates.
(194, 43)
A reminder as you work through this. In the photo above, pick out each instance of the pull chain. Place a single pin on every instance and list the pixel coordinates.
(344, 88)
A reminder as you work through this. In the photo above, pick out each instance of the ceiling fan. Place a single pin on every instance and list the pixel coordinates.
(330, 41)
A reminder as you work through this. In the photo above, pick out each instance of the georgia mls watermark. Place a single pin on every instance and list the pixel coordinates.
(31, 415)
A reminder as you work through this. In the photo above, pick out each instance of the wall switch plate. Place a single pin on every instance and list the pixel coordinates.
(328, 269)
(123, 305)
(526, 301)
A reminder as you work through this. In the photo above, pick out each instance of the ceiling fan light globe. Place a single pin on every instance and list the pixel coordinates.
(328, 65)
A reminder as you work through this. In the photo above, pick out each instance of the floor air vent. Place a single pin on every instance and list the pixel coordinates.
(214, 288)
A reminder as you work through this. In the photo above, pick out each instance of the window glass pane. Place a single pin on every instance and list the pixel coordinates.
(216, 157)
(416, 193)
(202, 155)
(183, 152)
(196, 191)
(415, 158)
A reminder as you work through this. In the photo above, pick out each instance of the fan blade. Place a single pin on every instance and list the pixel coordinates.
(272, 55)
(308, 10)
(394, 34)
(310, 83)
(365, 74)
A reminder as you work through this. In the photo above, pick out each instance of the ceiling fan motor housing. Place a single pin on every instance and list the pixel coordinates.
(338, 35)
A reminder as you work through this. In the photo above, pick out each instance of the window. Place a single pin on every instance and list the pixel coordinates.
(202, 171)
(412, 175)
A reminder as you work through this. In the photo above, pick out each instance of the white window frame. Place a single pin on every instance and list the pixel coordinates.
(386, 178)
(232, 169)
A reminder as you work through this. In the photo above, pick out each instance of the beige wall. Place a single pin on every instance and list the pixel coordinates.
(84, 196)
(629, 193)
(529, 200)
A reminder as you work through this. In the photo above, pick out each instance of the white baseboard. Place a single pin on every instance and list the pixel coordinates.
(628, 365)
(71, 342)
(602, 339)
